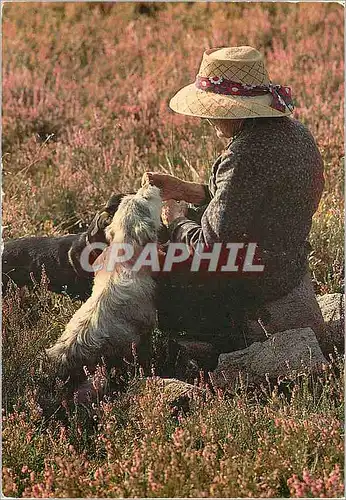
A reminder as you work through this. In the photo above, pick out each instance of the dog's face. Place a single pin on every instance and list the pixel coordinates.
(138, 218)
(96, 230)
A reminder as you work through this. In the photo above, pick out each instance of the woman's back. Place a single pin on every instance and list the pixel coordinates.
(289, 167)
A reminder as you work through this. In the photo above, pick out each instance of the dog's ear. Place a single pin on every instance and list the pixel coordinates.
(103, 218)
(100, 222)
(114, 202)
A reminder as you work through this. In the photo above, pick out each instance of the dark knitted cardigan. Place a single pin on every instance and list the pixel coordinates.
(264, 188)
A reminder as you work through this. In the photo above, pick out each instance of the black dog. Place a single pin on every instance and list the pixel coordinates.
(24, 258)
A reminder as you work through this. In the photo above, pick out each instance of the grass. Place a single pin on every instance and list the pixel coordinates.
(85, 94)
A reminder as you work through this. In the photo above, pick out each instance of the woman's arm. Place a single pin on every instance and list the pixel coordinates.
(241, 186)
(173, 188)
(195, 193)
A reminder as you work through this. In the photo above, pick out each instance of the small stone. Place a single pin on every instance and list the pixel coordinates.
(284, 353)
(298, 309)
(172, 388)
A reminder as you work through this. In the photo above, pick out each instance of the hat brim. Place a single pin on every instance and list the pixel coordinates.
(191, 101)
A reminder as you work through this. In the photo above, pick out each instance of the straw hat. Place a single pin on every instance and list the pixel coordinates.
(233, 82)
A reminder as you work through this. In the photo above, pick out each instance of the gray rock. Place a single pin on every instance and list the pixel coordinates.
(284, 353)
(298, 309)
(332, 306)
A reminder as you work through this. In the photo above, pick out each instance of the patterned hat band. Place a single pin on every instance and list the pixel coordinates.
(282, 96)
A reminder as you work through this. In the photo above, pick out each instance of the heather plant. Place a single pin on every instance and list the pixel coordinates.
(267, 444)
(85, 90)
(30, 321)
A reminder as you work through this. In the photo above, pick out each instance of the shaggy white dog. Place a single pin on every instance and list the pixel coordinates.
(121, 310)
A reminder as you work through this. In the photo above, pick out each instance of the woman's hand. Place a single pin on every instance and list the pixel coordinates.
(171, 210)
(173, 188)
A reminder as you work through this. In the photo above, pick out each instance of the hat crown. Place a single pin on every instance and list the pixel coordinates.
(239, 64)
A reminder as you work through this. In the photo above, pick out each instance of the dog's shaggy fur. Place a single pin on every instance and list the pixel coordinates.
(121, 310)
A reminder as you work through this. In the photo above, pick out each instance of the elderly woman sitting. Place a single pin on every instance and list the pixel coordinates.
(264, 188)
